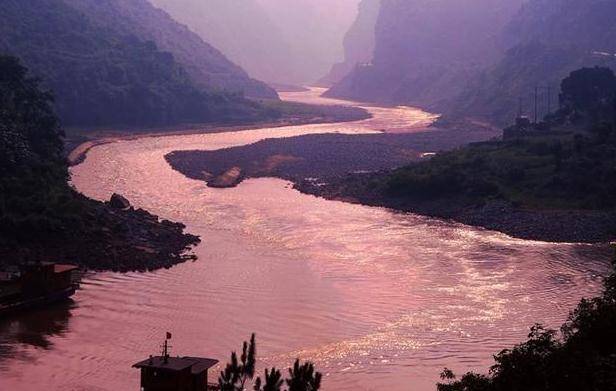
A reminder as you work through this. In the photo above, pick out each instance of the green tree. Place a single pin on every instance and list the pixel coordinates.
(26, 115)
(303, 377)
(273, 381)
(238, 372)
(589, 92)
(581, 357)
(33, 171)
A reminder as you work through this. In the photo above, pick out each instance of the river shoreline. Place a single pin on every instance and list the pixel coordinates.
(333, 182)
(122, 238)
(555, 226)
(344, 168)
(78, 143)
(107, 237)
(378, 299)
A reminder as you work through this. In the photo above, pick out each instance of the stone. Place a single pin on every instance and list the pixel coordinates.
(119, 202)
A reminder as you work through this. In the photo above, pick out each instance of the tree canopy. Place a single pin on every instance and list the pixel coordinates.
(581, 356)
(104, 76)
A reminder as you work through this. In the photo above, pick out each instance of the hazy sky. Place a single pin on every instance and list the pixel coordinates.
(317, 26)
(295, 41)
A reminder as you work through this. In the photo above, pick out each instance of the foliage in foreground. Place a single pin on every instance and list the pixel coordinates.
(582, 356)
(237, 373)
(41, 217)
(34, 195)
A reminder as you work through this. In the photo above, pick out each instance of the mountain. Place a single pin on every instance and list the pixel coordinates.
(426, 47)
(279, 41)
(359, 42)
(315, 29)
(104, 73)
(204, 64)
(243, 30)
(545, 41)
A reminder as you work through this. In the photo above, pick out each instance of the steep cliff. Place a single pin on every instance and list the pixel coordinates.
(279, 41)
(427, 49)
(359, 42)
(546, 40)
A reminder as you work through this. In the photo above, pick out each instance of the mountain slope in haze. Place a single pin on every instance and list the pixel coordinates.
(243, 31)
(359, 42)
(315, 30)
(102, 76)
(279, 41)
(205, 65)
(426, 47)
(546, 40)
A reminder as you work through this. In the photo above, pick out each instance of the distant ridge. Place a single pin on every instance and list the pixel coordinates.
(359, 43)
(545, 41)
(425, 48)
(205, 64)
(479, 58)
(104, 73)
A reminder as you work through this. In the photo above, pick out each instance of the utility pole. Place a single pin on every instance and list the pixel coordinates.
(549, 99)
(519, 107)
(536, 104)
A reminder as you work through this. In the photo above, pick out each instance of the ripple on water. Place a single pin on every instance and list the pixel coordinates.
(380, 300)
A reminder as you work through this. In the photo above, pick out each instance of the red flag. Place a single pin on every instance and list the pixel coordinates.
(168, 335)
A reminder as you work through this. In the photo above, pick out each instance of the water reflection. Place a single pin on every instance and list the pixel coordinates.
(379, 300)
(34, 329)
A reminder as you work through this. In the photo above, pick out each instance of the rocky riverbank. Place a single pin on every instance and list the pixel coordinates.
(317, 156)
(114, 235)
(352, 167)
(559, 226)
(108, 236)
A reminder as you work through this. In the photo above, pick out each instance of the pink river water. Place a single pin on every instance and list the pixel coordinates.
(378, 300)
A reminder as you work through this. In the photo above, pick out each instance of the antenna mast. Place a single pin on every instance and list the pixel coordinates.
(166, 348)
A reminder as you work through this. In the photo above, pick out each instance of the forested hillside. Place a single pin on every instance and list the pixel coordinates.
(41, 217)
(205, 64)
(244, 31)
(103, 76)
(533, 184)
(546, 40)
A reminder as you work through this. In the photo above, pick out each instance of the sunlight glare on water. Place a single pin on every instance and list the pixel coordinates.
(378, 299)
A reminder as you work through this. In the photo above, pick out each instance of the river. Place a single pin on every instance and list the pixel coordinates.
(377, 299)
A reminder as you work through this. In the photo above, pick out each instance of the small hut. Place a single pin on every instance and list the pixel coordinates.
(166, 373)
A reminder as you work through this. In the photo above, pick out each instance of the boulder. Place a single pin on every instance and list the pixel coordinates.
(230, 178)
(119, 202)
